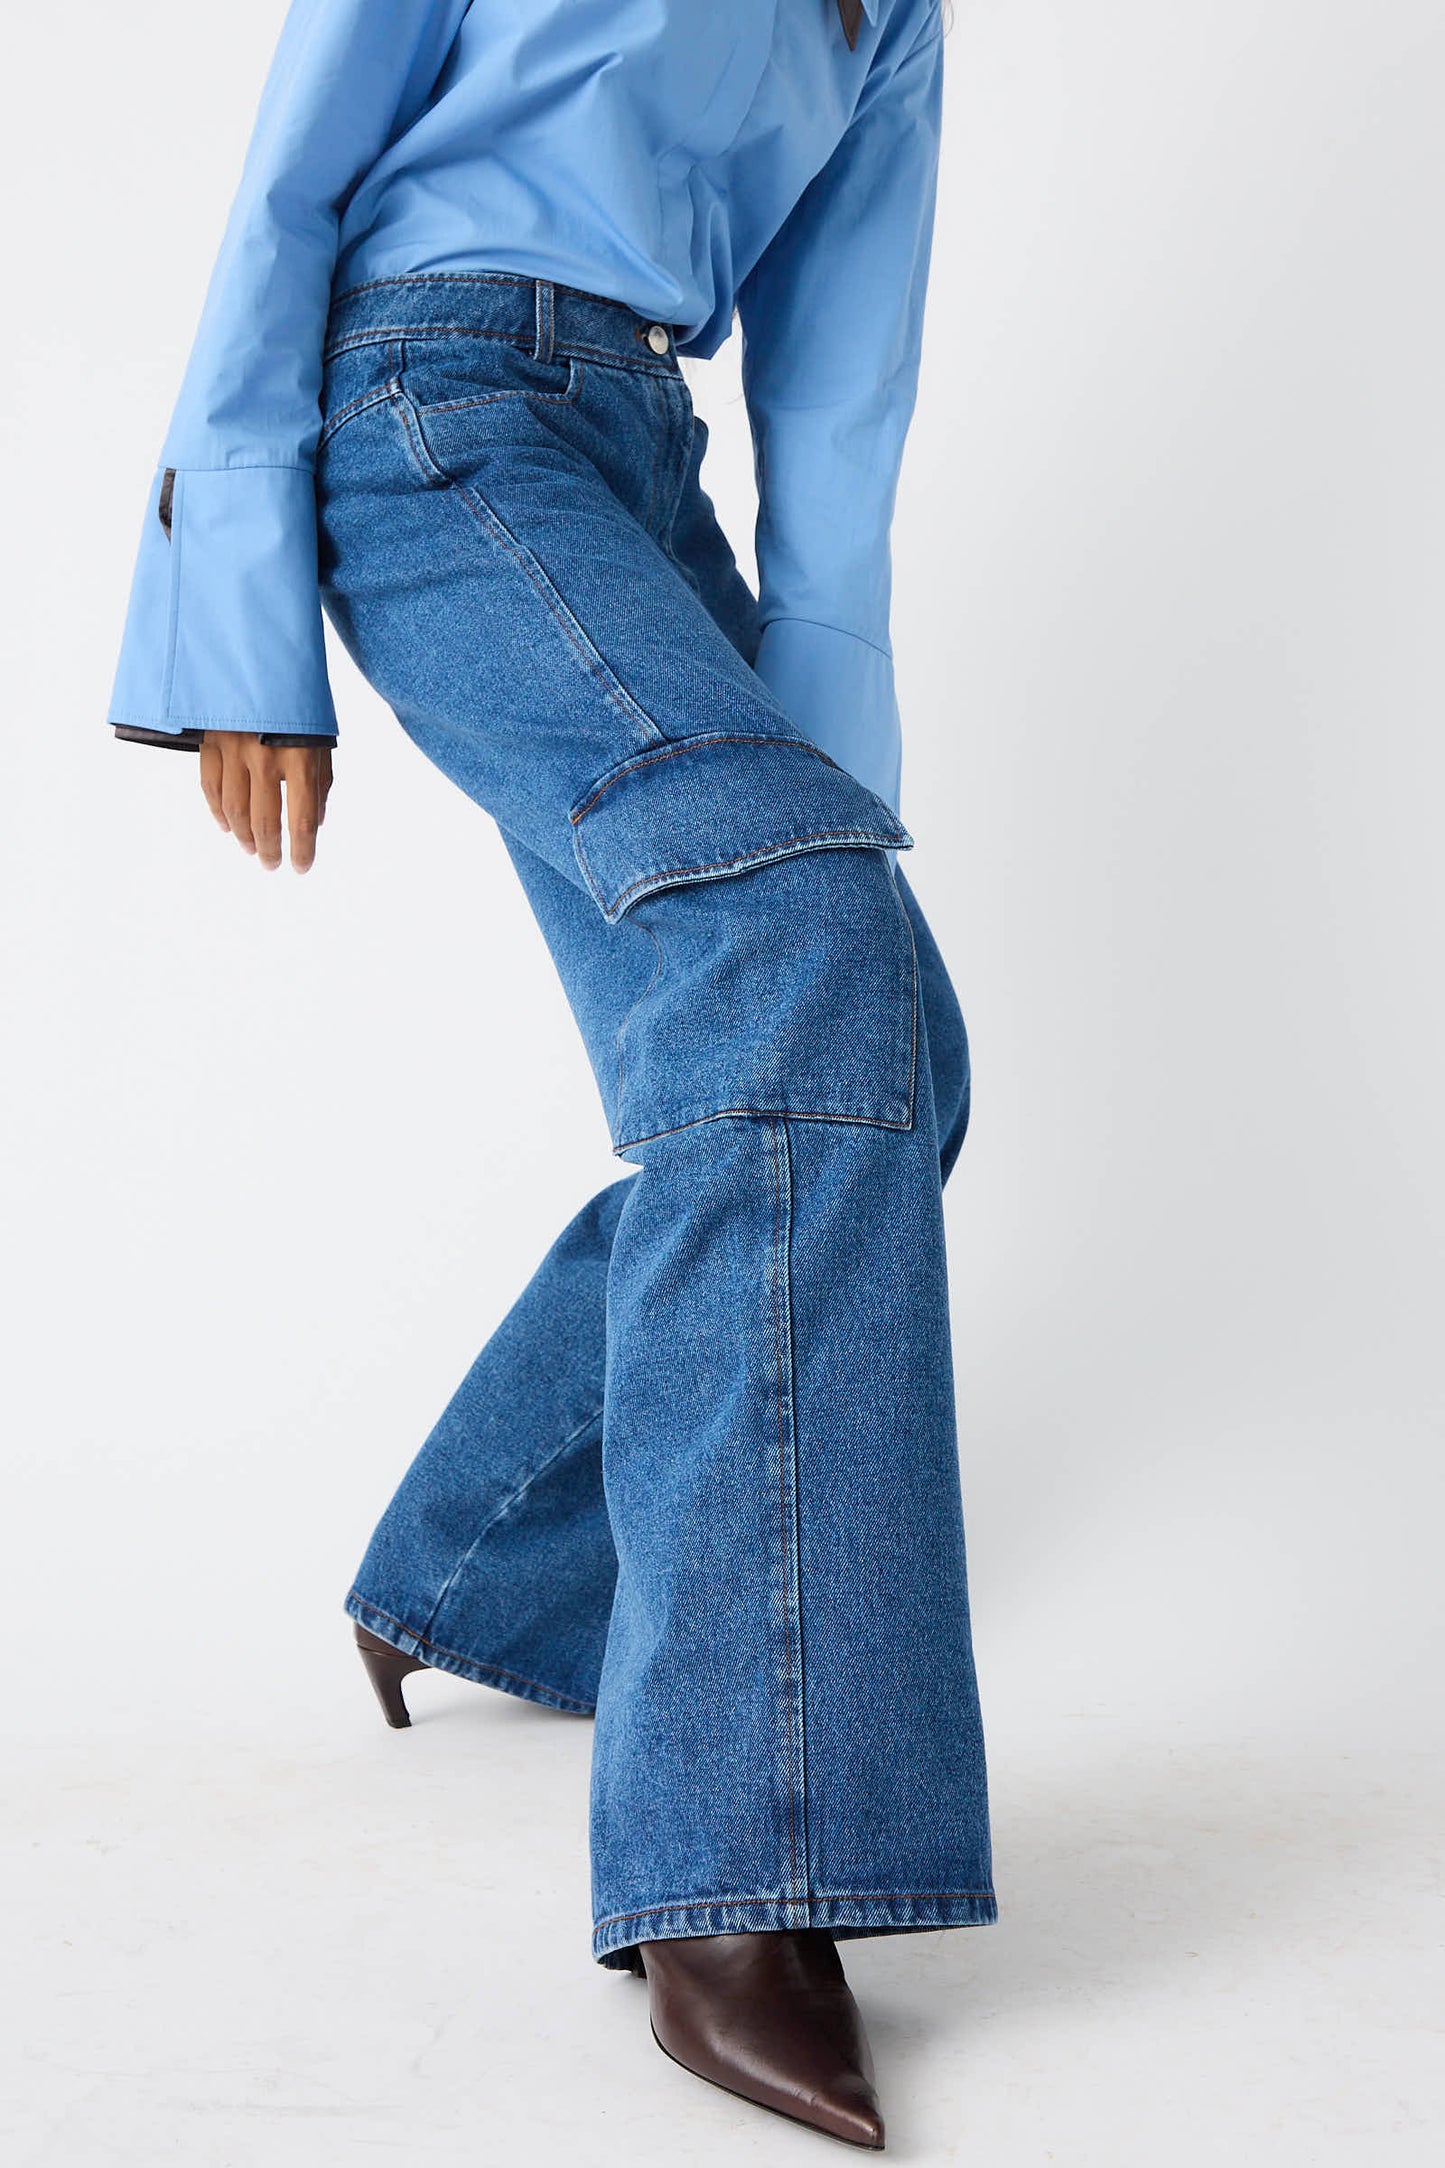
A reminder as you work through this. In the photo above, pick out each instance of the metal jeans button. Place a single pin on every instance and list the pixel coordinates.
(657, 338)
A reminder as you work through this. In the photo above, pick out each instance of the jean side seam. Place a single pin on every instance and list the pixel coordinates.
(913, 1047)
(791, 1681)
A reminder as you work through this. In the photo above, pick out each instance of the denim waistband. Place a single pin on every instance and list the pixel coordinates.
(538, 314)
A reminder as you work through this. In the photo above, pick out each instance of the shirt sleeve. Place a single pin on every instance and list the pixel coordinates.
(224, 626)
(832, 321)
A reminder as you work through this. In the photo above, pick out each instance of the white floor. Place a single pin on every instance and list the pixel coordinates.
(300, 1939)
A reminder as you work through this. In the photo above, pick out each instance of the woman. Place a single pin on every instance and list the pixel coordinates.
(703, 1480)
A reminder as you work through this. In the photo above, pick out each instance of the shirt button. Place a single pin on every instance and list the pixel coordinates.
(657, 338)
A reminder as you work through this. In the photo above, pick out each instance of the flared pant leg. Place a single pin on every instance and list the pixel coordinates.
(787, 1719)
(494, 1558)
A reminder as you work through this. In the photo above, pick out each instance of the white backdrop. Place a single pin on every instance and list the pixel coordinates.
(1170, 557)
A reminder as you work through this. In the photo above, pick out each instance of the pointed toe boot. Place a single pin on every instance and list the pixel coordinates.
(771, 2018)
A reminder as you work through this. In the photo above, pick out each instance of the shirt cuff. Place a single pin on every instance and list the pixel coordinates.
(839, 691)
(189, 741)
(224, 629)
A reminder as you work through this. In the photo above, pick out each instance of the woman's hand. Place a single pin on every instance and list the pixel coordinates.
(242, 780)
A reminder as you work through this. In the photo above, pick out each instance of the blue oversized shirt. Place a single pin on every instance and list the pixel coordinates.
(689, 158)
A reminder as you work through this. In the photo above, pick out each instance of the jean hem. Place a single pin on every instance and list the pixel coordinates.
(846, 1917)
(386, 1627)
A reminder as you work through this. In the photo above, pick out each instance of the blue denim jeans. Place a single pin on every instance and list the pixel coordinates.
(702, 1481)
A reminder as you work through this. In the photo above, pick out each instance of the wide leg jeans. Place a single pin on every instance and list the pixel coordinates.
(703, 1479)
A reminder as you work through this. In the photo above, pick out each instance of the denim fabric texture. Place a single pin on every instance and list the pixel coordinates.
(703, 1480)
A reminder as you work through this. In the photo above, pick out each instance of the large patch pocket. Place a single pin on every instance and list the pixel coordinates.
(785, 981)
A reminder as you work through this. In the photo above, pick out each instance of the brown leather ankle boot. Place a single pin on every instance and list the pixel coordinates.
(770, 2017)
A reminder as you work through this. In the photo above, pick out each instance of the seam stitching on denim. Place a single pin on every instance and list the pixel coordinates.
(611, 357)
(822, 1897)
(788, 1510)
(670, 751)
(514, 1497)
(753, 1114)
(815, 838)
(568, 397)
(562, 349)
(913, 1046)
(787, 1680)
(349, 412)
(786, 1298)
(534, 570)
(530, 566)
(500, 1669)
(405, 360)
(416, 441)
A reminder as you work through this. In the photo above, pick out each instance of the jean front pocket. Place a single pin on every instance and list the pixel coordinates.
(451, 371)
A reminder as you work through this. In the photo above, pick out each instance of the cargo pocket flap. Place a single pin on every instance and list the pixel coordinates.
(706, 807)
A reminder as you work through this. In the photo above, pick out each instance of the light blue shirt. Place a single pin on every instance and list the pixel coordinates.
(691, 158)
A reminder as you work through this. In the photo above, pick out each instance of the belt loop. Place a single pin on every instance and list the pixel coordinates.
(546, 320)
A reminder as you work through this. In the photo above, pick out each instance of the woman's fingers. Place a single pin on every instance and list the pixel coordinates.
(235, 788)
(301, 771)
(211, 766)
(265, 767)
(242, 780)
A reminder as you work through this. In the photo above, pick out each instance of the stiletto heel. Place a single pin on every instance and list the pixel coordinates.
(386, 1667)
